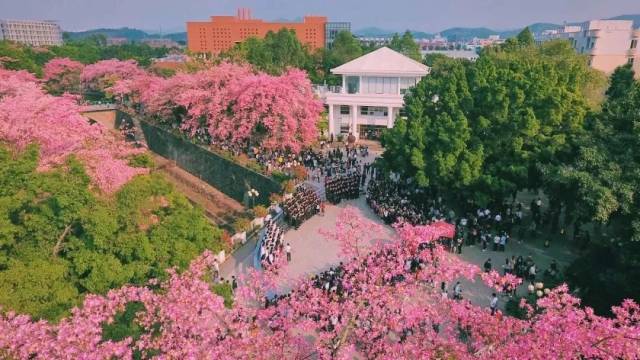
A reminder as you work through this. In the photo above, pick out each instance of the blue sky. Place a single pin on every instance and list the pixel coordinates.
(425, 15)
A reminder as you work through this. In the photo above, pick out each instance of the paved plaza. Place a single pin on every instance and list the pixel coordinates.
(313, 253)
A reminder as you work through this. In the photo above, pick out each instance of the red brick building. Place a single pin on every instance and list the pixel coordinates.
(223, 32)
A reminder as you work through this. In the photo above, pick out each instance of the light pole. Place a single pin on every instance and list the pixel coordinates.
(252, 194)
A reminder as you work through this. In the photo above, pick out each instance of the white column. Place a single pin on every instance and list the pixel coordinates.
(354, 128)
(332, 121)
(390, 117)
(398, 89)
(344, 84)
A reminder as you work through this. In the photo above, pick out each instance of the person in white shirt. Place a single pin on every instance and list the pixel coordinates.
(457, 291)
(287, 249)
(503, 242)
(494, 303)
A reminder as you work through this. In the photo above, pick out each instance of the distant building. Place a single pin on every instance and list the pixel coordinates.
(158, 43)
(608, 43)
(31, 32)
(117, 40)
(170, 62)
(371, 96)
(331, 30)
(223, 32)
(480, 43)
(471, 55)
(374, 41)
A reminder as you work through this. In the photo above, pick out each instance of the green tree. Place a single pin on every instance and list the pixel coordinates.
(496, 124)
(14, 56)
(601, 182)
(59, 240)
(344, 49)
(434, 144)
(431, 59)
(525, 37)
(275, 53)
(406, 45)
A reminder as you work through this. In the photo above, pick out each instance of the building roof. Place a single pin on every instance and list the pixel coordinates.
(383, 61)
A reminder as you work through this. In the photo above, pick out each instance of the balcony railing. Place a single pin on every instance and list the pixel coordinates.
(322, 90)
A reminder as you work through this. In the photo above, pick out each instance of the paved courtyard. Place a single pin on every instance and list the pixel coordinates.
(313, 253)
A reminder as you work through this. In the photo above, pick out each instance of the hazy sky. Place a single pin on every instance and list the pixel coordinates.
(425, 15)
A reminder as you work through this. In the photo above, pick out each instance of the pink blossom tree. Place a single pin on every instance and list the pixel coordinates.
(385, 310)
(28, 115)
(231, 104)
(285, 106)
(63, 75)
(104, 74)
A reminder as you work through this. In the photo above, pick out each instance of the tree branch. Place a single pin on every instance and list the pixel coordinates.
(56, 248)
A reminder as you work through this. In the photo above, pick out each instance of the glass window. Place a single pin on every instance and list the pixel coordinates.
(379, 85)
(374, 111)
(630, 61)
(345, 109)
(634, 44)
(353, 84)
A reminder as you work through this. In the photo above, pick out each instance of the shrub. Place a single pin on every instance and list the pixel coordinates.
(142, 161)
(300, 172)
(226, 291)
(289, 187)
(242, 225)
(260, 211)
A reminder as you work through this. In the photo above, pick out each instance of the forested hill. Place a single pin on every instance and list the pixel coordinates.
(465, 33)
(453, 34)
(128, 33)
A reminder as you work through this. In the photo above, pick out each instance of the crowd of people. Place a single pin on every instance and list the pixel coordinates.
(330, 281)
(343, 186)
(301, 206)
(334, 162)
(491, 228)
(272, 244)
(393, 202)
(325, 161)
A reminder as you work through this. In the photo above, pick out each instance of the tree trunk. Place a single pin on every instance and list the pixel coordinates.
(56, 249)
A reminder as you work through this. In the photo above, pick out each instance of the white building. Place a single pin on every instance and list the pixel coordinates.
(470, 55)
(608, 43)
(31, 32)
(371, 96)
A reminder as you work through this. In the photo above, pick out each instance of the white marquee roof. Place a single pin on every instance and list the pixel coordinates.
(383, 61)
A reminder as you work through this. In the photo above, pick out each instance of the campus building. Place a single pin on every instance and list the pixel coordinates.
(608, 43)
(31, 32)
(332, 29)
(222, 32)
(372, 91)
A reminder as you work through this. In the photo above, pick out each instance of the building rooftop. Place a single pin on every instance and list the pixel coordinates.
(383, 61)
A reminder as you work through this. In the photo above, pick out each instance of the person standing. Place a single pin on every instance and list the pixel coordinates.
(457, 291)
(532, 272)
(487, 265)
(216, 269)
(443, 290)
(234, 283)
(507, 267)
(494, 303)
(287, 249)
